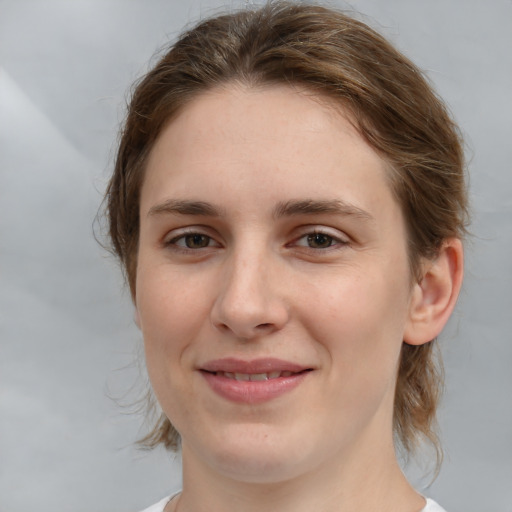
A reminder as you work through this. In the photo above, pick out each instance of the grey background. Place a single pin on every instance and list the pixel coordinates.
(67, 339)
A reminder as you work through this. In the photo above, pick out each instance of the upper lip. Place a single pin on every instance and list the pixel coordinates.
(261, 365)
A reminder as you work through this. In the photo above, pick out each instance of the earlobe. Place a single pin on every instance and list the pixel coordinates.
(435, 295)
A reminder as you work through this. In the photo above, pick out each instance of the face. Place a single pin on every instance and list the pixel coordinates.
(273, 288)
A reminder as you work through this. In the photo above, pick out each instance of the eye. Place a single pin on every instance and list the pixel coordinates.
(320, 240)
(192, 241)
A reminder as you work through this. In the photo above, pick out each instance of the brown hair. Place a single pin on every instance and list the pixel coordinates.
(395, 110)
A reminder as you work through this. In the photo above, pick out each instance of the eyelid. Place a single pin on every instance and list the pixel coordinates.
(176, 234)
(339, 236)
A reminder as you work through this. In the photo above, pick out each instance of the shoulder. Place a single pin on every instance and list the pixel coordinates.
(432, 506)
(158, 507)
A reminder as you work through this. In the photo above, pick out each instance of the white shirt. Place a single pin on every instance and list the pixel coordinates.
(158, 507)
(431, 506)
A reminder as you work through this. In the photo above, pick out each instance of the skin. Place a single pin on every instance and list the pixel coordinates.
(328, 289)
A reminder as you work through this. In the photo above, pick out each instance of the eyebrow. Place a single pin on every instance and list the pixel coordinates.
(283, 209)
(316, 207)
(186, 207)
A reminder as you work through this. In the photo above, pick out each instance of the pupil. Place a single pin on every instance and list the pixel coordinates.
(196, 241)
(319, 240)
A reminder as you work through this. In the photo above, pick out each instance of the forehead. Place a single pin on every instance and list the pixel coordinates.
(275, 141)
(247, 112)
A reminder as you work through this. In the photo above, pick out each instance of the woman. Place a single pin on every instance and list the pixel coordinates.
(288, 203)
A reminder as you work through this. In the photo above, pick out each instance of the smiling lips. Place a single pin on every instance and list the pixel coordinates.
(252, 382)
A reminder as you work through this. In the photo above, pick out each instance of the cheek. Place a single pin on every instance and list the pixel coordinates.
(169, 312)
(167, 299)
(360, 323)
(169, 321)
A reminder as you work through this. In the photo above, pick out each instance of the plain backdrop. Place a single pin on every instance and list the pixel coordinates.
(67, 338)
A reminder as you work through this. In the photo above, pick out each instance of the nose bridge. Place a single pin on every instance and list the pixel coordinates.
(246, 270)
(248, 303)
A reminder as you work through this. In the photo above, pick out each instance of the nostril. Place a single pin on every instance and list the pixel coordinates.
(263, 326)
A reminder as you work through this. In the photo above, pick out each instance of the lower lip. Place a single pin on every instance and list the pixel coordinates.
(252, 392)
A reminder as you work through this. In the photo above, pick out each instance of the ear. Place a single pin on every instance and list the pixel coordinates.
(434, 296)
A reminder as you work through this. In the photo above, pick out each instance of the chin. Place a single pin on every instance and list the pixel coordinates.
(256, 455)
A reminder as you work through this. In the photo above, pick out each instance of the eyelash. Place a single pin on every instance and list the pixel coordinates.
(334, 242)
(183, 236)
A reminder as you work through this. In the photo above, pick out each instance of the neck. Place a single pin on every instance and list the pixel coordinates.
(372, 482)
(362, 475)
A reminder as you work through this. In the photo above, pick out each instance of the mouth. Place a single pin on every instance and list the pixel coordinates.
(253, 382)
(268, 366)
(254, 377)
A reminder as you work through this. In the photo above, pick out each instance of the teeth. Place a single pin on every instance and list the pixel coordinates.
(254, 376)
(259, 376)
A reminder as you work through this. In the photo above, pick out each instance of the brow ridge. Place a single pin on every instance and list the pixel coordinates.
(316, 207)
(282, 209)
(185, 207)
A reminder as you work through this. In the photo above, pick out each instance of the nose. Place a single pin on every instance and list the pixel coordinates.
(249, 304)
